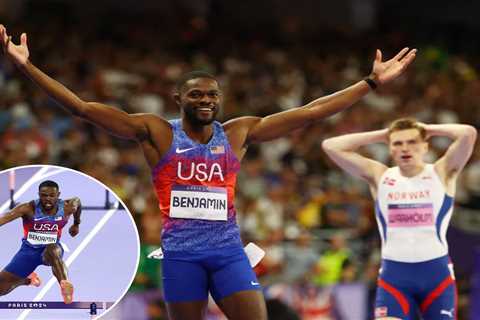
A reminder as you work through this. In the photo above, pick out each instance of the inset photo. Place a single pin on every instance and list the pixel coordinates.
(70, 247)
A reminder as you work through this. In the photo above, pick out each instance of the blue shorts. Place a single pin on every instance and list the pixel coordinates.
(190, 276)
(407, 289)
(26, 260)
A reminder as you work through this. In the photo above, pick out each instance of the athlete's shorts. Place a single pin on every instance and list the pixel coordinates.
(26, 260)
(190, 276)
(407, 289)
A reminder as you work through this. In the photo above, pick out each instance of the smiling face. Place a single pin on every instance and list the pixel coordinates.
(48, 198)
(199, 100)
(407, 149)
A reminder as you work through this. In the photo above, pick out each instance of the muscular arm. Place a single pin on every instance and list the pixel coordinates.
(111, 119)
(115, 121)
(280, 124)
(458, 152)
(17, 212)
(76, 209)
(343, 151)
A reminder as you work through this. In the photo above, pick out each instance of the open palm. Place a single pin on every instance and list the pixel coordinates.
(17, 53)
(386, 71)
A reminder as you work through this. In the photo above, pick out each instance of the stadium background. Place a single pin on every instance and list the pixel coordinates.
(315, 223)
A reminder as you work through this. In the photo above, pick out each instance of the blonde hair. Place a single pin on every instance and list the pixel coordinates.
(405, 124)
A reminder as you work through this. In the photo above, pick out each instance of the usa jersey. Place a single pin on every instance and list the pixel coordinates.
(42, 229)
(413, 214)
(195, 186)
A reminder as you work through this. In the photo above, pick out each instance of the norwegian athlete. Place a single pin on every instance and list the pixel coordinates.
(194, 162)
(414, 203)
(43, 221)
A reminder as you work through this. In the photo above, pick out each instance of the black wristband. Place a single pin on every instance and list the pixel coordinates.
(77, 223)
(372, 84)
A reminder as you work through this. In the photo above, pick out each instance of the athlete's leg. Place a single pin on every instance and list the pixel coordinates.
(393, 301)
(185, 288)
(235, 287)
(441, 302)
(17, 272)
(192, 310)
(52, 256)
(9, 281)
(244, 305)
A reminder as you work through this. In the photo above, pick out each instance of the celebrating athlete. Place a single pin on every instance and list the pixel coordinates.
(194, 162)
(43, 221)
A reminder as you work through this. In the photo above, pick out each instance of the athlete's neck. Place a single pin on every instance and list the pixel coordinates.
(50, 212)
(198, 133)
(411, 171)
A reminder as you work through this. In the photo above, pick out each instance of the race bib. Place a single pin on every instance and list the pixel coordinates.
(198, 202)
(410, 215)
(37, 238)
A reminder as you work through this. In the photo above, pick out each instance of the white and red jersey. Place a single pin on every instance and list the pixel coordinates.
(413, 214)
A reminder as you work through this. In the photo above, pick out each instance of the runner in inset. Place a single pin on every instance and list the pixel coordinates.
(414, 203)
(43, 221)
(194, 162)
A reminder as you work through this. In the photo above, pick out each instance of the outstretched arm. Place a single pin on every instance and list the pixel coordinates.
(343, 151)
(111, 119)
(280, 124)
(17, 212)
(458, 152)
(74, 206)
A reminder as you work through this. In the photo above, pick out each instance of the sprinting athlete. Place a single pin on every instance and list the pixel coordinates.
(414, 203)
(43, 221)
(194, 162)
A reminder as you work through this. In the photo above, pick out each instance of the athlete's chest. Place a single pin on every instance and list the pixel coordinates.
(424, 188)
(211, 163)
(410, 202)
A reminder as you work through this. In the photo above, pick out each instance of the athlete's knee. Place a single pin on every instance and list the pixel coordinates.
(3, 290)
(52, 252)
(5, 285)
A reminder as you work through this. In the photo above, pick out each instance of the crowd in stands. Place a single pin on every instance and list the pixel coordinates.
(316, 224)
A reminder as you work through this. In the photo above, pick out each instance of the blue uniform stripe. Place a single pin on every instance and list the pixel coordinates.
(446, 206)
(379, 214)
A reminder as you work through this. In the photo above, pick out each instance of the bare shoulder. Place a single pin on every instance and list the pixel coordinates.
(27, 208)
(152, 126)
(237, 131)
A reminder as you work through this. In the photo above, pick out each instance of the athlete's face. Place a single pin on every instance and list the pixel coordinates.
(48, 197)
(407, 148)
(200, 100)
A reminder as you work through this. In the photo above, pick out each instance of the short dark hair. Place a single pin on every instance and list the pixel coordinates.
(405, 124)
(192, 75)
(48, 183)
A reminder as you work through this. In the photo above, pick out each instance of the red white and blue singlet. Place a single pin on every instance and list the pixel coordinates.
(195, 186)
(42, 229)
(38, 232)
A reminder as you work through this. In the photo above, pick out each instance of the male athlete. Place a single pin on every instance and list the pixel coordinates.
(43, 221)
(194, 162)
(414, 203)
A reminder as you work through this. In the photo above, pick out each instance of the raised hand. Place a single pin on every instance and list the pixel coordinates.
(17, 53)
(383, 72)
